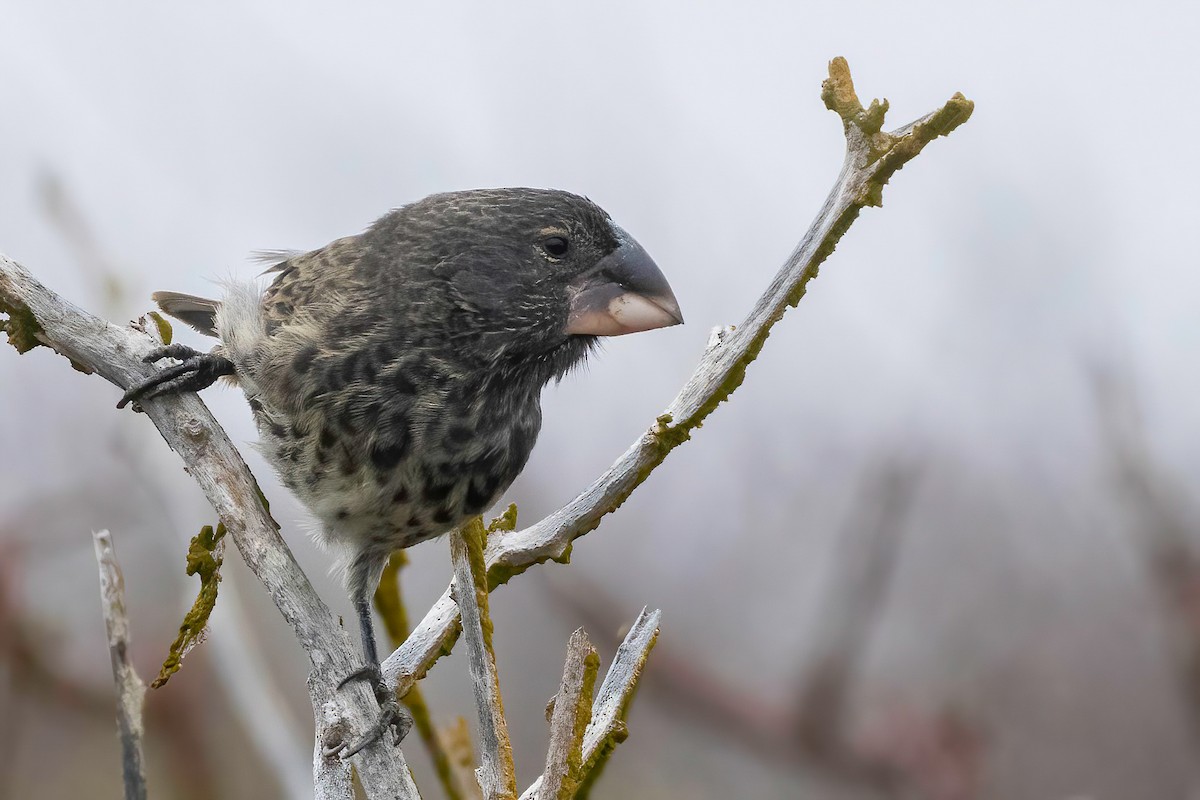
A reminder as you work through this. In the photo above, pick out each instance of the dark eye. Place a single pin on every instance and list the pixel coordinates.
(556, 246)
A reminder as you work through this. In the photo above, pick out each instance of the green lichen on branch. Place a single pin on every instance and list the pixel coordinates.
(593, 772)
(866, 126)
(204, 559)
(955, 112)
(474, 535)
(496, 576)
(505, 523)
(21, 326)
(499, 575)
(467, 553)
(165, 332)
(577, 773)
(837, 92)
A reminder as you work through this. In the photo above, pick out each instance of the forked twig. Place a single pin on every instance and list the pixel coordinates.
(607, 726)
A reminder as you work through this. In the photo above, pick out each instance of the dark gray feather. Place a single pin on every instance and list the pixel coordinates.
(198, 312)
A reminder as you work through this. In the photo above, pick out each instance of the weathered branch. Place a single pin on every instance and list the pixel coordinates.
(569, 718)
(39, 316)
(131, 691)
(496, 774)
(872, 157)
(607, 727)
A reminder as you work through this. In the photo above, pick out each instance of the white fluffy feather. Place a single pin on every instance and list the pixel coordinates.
(240, 323)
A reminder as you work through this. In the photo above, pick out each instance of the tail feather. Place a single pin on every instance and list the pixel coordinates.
(198, 312)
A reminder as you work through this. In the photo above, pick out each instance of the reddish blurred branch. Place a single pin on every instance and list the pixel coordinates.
(1166, 522)
(861, 575)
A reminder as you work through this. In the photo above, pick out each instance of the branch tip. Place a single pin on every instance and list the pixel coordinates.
(131, 691)
(837, 91)
(569, 715)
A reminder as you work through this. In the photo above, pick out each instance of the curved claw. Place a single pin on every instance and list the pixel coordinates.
(198, 371)
(392, 716)
(370, 672)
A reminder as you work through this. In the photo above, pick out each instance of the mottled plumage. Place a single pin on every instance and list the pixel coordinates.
(395, 376)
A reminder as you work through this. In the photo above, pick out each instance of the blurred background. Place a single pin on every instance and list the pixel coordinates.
(943, 542)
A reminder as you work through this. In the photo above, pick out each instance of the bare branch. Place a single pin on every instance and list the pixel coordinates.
(131, 691)
(607, 727)
(496, 774)
(872, 157)
(39, 316)
(572, 710)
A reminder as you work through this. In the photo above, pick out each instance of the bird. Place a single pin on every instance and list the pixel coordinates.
(395, 376)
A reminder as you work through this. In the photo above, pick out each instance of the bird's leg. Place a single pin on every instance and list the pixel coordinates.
(392, 717)
(198, 371)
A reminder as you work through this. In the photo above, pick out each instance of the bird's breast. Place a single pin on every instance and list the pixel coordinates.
(389, 470)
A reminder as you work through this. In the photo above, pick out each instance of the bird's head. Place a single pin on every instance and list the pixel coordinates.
(524, 276)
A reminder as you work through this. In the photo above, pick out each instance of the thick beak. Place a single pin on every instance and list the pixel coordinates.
(624, 293)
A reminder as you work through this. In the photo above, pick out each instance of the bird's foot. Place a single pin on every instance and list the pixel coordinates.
(198, 371)
(392, 718)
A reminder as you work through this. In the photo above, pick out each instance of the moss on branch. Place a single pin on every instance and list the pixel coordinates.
(204, 559)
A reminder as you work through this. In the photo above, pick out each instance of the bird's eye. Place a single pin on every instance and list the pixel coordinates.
(556, 246)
